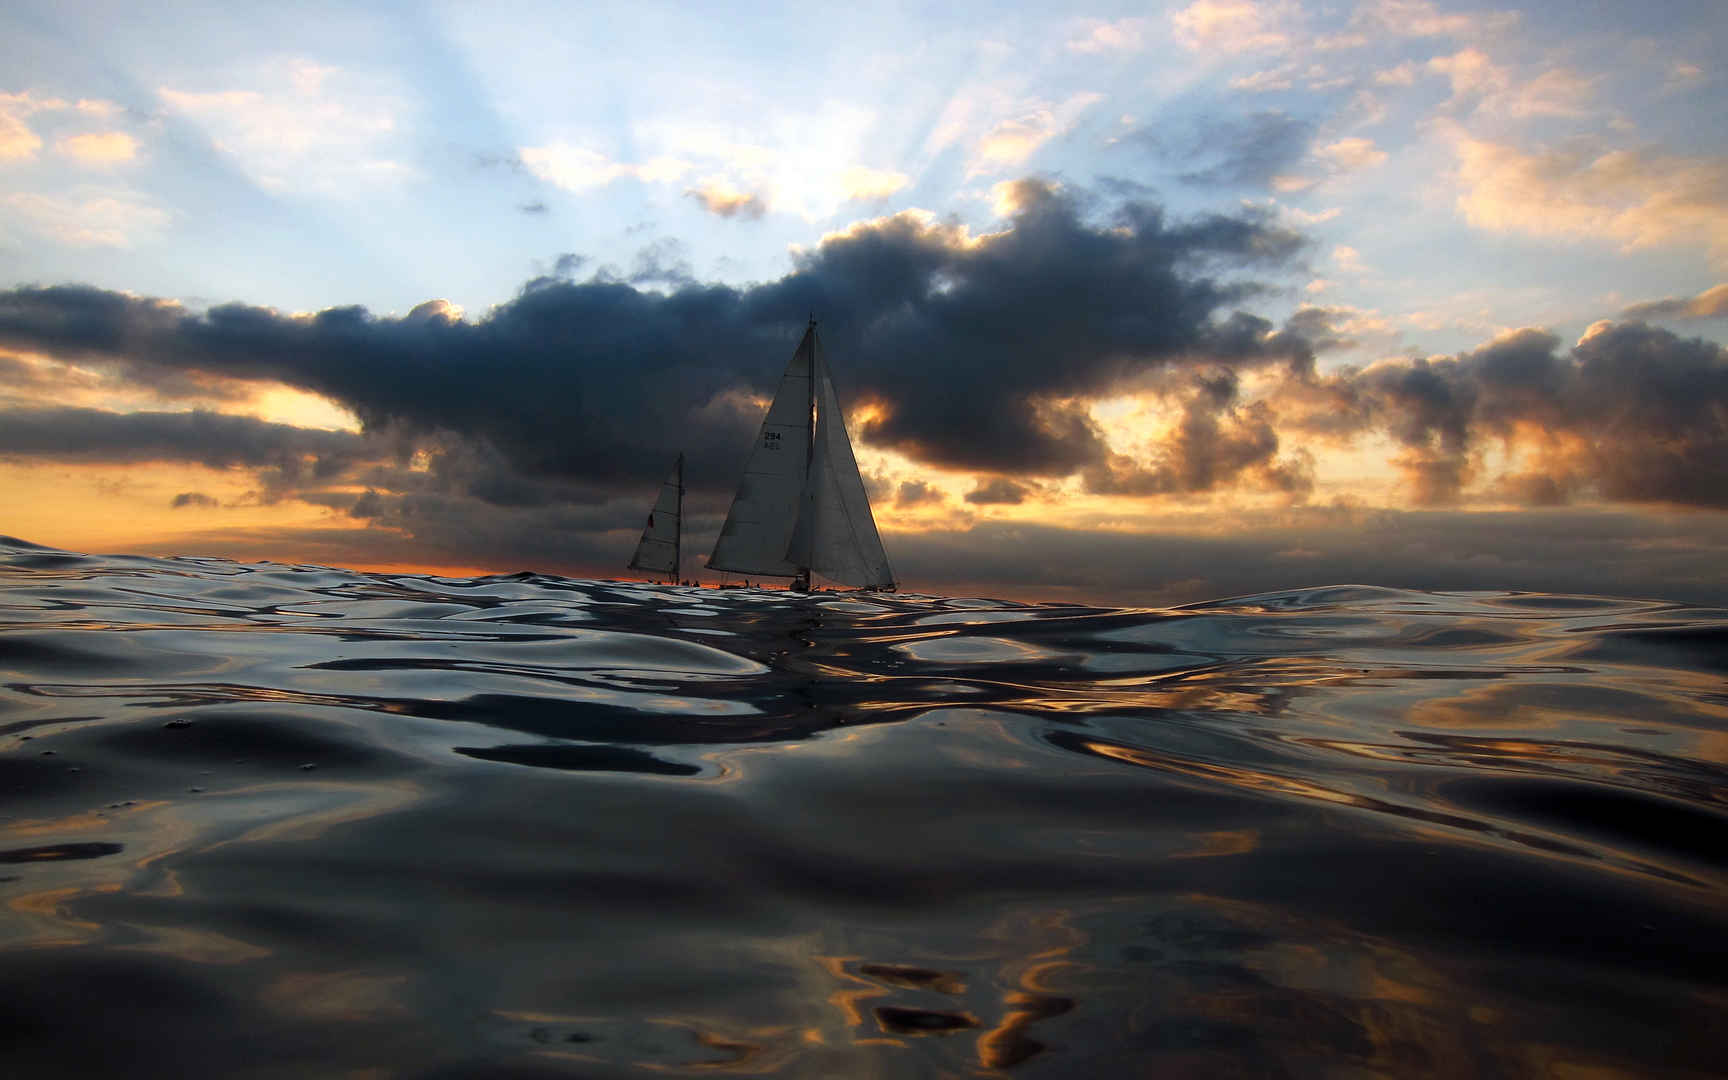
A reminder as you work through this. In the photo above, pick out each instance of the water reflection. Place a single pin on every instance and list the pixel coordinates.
(297, 820)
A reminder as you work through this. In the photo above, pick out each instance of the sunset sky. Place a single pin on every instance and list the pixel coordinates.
(1130, 304)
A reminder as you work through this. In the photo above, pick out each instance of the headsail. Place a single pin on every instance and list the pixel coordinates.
(659, 550)
(802, 506)
(835, 525)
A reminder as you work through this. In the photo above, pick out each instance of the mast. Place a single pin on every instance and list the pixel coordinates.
(678, 537)
(801, 581)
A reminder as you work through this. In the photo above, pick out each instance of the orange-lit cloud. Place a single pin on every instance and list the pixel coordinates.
(1016, 138)
(720, 198)
(99, 148)
(1712, 303)
(1101, 36)
(1235, 25)
(1351, 154)
(578, 168)
(92, 219)
(1626, 196)
(859, 182)
(17, 141)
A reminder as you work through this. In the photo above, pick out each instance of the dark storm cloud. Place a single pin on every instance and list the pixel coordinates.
(916, 493)
(978, 352)
(459, 528)
(665, 262)
(213, 439)
(1241, 151)
(1632, 413)
(998, 491)
(974, 351)
(1712, 303)
(24, 381)
(1217, 444)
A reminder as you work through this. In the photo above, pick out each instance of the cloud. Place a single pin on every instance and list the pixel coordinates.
(1218, 443)
(966, 353)
(1351, 154)
(194, 498)
(917, 493)
(1282, 77)
(87, 218)
(1420, 18)
(1013, 141)
(1235, 25)
(99, 148)
(1403, 74)
(1094, 36)
(1712, 303)
(1480, 84)
(298, 127)
(1336, 159)
(579, 168)
(998, 490)
(535, 435)
(1246, 151)
(536, 207)
(1632, 413)
(738, 180)
(974, 352)
(1636, 199)
(722, 200)
(858, 182)
(17, 141)
(216, 440)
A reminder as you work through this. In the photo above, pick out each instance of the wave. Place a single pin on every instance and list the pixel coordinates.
(265, 819)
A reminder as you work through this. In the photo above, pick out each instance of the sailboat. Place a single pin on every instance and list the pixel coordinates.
(660, 551)
(801, 508)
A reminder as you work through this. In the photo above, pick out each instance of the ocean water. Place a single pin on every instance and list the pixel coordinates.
(268, 820)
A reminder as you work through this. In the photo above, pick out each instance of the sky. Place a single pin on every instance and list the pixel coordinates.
(1131, 304)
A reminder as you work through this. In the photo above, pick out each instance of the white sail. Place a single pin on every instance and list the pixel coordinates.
(802, 507)
(658, 550)
(835, 524)
(758, 528)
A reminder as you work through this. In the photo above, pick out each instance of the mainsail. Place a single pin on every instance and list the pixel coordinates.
(801, 507)
(659, 550)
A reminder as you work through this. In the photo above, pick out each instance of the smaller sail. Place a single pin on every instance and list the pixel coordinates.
(658, 550)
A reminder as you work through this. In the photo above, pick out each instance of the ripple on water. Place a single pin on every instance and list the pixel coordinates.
(296, 820)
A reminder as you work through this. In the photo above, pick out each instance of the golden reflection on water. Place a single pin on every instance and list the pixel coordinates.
(967, 843)
(153, 834)
(1459, 826)
(1227, 842)
(197, 946)
(336, 995)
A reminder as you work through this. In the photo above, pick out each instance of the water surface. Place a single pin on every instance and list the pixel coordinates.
(266, 820)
